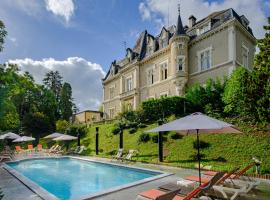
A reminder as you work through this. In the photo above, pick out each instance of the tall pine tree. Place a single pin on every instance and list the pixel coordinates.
(261, 77)
(66, 103)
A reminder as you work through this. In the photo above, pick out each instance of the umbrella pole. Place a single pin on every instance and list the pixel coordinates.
(199, 157)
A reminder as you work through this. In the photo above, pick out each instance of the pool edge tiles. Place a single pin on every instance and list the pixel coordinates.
(36, 188)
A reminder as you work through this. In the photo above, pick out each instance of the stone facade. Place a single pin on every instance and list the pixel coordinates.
(87, 117)
(177, 58)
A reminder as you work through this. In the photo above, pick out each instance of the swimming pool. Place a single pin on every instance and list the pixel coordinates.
(70, 178)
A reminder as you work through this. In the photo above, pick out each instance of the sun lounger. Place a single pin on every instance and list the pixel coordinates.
(30, 148)
(130, 154)
(18, 149)
(118, 155)
(39, 148)
(4, 157)
(155, 193)
(81, 149)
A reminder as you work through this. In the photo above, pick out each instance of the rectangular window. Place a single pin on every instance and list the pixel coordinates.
(150, 77)
(111, 112)
(128, 84)
(164, 71)
(180, 63)
(180, 46)
(205, 59)
(163, 43)
(111, 92)
(245, 56)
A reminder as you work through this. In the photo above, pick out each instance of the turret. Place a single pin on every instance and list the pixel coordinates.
(179, 52)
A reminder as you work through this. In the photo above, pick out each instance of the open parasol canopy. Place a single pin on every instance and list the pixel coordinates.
(54, 135)
(9, 135)
(197, 123)
(24, 139)
(65, 138)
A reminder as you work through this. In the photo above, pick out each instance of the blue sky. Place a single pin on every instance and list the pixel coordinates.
(80, 38)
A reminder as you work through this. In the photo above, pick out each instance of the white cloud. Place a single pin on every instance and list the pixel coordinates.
(84, 77)
(157, 10)
(145, 12)
(62, 8)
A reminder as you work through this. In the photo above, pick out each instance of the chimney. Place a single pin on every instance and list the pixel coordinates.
(191, 20)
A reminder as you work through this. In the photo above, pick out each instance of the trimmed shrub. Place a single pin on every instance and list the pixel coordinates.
(155, 138)
(156, 109)
(176, 136)
(116, 129)
(133, 130)
(203, 145)
(144, 137)
(142, 125)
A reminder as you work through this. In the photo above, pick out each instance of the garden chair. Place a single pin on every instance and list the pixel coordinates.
(119, 154)
(18, 149)
(154, 194)
(130, 154)
(4, 157)
(81, 149)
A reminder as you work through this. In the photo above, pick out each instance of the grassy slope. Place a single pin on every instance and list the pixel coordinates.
(225, 151)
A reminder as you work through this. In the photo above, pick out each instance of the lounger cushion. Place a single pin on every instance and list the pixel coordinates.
(178, 198)
(152, 194)
(210, 173)
(196, 178)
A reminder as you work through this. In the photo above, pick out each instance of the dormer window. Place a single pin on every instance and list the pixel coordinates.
(163, 43)
(204, 29)
(149, 50)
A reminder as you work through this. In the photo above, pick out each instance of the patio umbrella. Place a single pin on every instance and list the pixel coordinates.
(65, 138)
(9, 135)
(197, 123)
(54, 135)
(24, 139)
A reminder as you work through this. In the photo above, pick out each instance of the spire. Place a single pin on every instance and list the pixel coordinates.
(179, 26)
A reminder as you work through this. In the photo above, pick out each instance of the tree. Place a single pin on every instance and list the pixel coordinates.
(261, 77)
(66, 103)
(3, 34)
(62, 126)
(53, 81)
(238, 97)
(36, 124)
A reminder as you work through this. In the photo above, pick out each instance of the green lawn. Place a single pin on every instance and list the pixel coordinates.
(222, 151)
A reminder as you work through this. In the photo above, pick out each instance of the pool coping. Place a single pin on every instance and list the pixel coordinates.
(44, 194)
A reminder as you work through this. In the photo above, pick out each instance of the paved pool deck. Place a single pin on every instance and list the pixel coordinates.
(13, 189)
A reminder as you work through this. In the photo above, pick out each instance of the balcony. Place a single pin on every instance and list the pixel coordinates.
(128, 94)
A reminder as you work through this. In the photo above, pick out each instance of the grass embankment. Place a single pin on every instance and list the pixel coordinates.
(221, 151)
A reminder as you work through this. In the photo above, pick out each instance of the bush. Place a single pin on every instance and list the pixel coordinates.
(116, 129)
(176, 136)
(133, 130)
(62, 126)
(156, 109)
(142, 125)
(237, 94)
(144, 137)
(155, 138)
(75, 129)
(203, 145)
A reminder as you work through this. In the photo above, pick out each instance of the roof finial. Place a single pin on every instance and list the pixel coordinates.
(179, 8)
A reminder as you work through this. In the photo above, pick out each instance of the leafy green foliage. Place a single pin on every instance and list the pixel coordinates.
(37, 124)
(76, 129)
(208, 98)
(132, 130)
(66, 103)
(3, 34)
(237, 94)
(144, 137)
(62, 125)
(156, 109)
(154, 138)
(261, 77)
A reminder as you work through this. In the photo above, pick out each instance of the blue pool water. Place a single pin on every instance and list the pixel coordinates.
(68, 178)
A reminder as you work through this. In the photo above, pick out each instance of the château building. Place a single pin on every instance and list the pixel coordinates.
(166, 64)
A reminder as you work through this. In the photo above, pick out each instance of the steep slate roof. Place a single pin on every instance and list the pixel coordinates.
(216, 19)
(179, 27)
